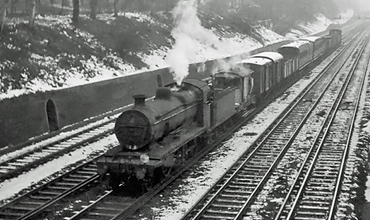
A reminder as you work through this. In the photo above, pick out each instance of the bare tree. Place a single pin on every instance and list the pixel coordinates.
(115, 3)
(64, 4)
(33, 13)
(76, 11)
(93, 7)
(4, 8)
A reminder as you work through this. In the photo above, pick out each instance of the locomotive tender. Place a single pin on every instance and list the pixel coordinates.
(161, 134)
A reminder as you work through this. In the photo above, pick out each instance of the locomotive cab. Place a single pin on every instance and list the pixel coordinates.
(240, 79)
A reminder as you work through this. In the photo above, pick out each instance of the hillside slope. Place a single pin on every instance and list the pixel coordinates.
(56, 54)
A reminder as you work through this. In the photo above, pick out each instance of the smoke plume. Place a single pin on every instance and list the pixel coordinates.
(189, 35)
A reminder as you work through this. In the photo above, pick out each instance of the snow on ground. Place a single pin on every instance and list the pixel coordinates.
(319, 26)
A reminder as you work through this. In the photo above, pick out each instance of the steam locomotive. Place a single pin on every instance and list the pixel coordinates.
(161, 134)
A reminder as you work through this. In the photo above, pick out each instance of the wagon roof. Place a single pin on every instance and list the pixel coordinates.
(311, 38)
(274, 56)
(296, 44)
(256, 61)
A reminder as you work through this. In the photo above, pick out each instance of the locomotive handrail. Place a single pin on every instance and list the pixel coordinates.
(173, 115)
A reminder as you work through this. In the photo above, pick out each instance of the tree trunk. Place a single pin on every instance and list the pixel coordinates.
(76, 11)
(33, 13)
(12, 7)
(64, 4)
(93, 6)
(3, 13)
(115, 8)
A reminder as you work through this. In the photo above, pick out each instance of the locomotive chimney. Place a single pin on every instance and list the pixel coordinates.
(163, 93)
(139, 99)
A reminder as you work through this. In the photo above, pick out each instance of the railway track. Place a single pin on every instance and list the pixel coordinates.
(36, 201)
(46, 151)
(315, 190)
(234, 194)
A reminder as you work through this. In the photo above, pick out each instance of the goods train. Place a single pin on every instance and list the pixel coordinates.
(160, 134)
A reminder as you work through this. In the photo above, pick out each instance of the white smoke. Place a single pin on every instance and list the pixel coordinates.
(189, 35)
(224, 65)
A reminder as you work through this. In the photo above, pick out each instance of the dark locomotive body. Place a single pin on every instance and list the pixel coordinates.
(158, 135)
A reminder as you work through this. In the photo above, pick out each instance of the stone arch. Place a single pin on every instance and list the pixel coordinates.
(52, 116)
(159, 81)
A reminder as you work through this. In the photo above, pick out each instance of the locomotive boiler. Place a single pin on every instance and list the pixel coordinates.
(147, 122)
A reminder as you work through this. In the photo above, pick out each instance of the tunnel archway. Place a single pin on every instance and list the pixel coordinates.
(51, 113)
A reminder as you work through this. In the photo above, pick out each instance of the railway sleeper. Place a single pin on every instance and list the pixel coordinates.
(25, 160)
(230, 201)
(311, 198)
(7, 168)
(253, 173)
(86, 172)
(315, 203)
(331, 164)
(243, 183)
(260, 163)
(50, 151)
(37, 155)
(101, 215)
(248, 176)
(312, 208)
(318, 186)
(242, 186)
(15, 215)
(321, 181)
(22, 208)
(324, 195)
(41, 197)
(313, 215)
(304, 217)
(231, 197)
(237, 193)
(56, 148)
(77, 179)
(250, 180)
(106, 209)
(323, 171)
(92, 169)
(66, 184)
(227, 206)
(49, 192)
(257, 168)
(218, 214)
(32, 203)
(62, 188)
(323, 176)
(330, 156)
